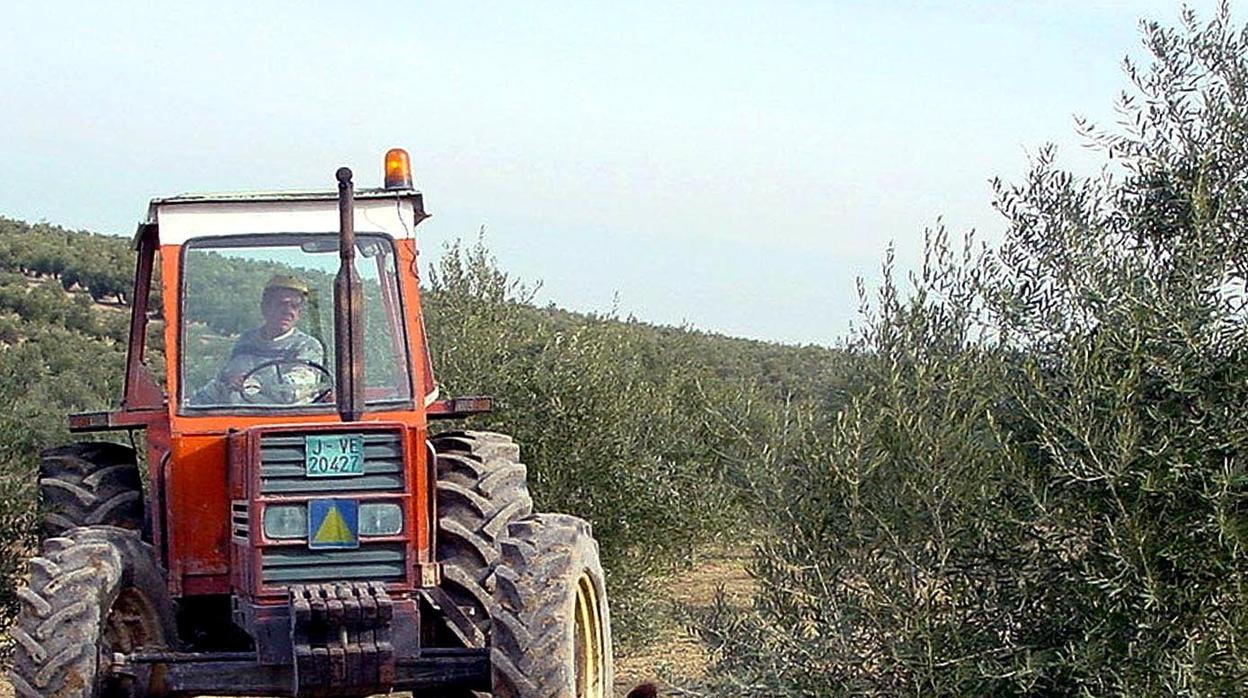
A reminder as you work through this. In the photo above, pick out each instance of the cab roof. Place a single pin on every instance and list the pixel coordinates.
(280, 195)
(184, 217)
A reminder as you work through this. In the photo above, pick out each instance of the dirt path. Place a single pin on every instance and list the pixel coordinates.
(676, 652)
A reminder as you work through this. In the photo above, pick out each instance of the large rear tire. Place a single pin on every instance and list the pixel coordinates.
(482, 487)
(551, 635)
(89, 484)
(93, 591)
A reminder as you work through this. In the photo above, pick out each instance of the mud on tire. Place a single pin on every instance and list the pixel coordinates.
(89, 484)
(551, 634)
(482, 487)
(93, 591)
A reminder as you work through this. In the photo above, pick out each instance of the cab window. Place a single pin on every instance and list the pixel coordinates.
(258, 322)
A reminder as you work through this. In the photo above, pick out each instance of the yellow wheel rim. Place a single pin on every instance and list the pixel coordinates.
(588, 641)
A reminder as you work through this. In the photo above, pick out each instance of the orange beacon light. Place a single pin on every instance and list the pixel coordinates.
(398, 169)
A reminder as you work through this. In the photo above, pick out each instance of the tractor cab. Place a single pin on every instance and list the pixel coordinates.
(268, 325)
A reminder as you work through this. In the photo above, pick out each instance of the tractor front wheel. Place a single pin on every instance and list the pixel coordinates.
(551, 632)
(93, 591)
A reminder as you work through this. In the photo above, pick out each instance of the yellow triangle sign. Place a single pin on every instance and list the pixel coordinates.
(333, 529)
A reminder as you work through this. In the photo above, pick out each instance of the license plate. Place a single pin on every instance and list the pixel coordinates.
(339, 455)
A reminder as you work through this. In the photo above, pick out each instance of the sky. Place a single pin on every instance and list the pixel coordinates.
(729, 166)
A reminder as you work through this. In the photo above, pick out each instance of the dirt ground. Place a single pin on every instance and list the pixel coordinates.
(675, 652)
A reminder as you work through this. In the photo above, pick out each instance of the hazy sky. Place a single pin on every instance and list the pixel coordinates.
(729, 165)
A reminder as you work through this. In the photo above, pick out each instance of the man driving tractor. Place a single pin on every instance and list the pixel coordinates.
(275, 363)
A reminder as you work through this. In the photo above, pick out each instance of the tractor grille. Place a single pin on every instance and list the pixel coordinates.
(377, 562)
(282, 467)
(282, 472)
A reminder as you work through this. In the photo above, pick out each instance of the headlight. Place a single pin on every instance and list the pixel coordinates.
(380, 519)
(286, 521)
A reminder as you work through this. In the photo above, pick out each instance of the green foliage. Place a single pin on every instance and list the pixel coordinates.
(1038, 486)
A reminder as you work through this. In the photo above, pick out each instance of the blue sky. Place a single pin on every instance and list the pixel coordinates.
(732, 166)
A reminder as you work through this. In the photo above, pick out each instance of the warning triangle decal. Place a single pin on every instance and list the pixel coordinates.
(333, 530)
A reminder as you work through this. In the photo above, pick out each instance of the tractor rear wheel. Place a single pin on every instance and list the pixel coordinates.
(89, 484)
(551, 633)
(482, 487)
(94, 591)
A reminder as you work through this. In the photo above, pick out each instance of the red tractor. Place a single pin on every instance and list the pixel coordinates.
(298, 531)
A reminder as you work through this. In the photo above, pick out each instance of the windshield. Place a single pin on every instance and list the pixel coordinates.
(258, 322)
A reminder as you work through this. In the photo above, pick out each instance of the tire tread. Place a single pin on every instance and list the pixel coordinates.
(482, 486)
(543, 558)
(93, 483)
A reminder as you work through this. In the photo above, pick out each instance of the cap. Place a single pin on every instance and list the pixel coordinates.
(293, 283)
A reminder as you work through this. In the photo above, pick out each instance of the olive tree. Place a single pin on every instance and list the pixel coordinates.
(1040, 485)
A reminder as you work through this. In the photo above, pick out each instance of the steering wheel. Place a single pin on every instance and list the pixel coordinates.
(277, 364)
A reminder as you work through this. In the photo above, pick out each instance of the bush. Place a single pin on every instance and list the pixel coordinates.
(616, 425)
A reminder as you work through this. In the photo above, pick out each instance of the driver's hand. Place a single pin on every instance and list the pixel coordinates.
(233, 381)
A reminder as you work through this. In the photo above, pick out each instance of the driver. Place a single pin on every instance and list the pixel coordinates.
(275, 363)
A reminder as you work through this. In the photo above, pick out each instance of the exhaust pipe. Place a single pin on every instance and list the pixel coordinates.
(348, 309)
